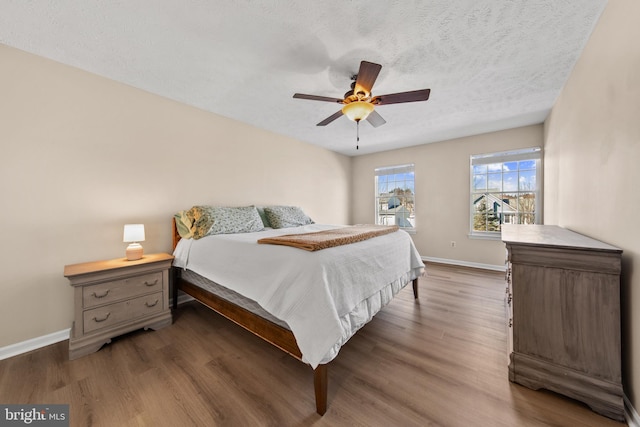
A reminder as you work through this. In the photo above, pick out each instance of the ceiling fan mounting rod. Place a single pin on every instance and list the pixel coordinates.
(357, 97)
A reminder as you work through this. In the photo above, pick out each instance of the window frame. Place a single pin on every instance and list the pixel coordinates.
(525, 154)
(389, 171)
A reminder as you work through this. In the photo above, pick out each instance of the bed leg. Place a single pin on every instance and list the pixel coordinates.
(320, 386)
(173, 280)
(415, 288)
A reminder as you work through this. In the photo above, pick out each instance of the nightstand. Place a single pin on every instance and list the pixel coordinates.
(117, 296)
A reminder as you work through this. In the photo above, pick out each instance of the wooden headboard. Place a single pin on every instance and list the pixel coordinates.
(174, 234)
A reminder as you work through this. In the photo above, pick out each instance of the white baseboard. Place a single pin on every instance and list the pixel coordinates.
(182, 298)
(54, 337)
(33, 344)
(464, 263)
(630, 414)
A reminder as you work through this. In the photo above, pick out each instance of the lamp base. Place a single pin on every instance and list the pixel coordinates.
(134, 251)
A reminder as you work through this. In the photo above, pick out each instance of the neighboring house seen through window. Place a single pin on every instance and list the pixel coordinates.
(395, 196)
(505, 189)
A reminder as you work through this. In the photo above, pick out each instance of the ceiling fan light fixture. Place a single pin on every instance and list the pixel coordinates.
(357, 110)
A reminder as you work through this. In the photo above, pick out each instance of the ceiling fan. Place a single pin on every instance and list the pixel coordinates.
(359, 103)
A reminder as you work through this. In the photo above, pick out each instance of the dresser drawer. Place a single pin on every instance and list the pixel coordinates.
(117, 290)
(103, 317)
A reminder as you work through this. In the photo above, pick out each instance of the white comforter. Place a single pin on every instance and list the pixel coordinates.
(314, 292)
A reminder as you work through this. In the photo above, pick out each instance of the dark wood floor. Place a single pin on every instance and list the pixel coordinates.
(441, 361)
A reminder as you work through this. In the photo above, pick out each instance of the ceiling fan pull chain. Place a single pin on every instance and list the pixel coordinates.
(357, 134)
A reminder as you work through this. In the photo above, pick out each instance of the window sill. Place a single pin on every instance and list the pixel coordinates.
(485, 236)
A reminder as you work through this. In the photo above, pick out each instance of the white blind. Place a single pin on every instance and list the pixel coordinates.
(394, 169)
(533, 153)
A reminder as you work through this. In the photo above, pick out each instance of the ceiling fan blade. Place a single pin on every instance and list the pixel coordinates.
(318, 98)
(375, 119)
(397, 98)
(330, 118)
(367, 76)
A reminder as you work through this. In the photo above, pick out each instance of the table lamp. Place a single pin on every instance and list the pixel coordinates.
(134, 233)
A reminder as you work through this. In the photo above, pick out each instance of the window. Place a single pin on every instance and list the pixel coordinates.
(505, 189)
(395, 196)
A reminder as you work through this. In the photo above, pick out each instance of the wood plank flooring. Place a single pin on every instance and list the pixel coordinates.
(439, 362)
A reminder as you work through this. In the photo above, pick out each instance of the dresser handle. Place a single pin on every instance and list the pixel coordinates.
(101, 296)
(509, 298)
(511, 323)
(95, 319)
(150, 284)
(151, 305)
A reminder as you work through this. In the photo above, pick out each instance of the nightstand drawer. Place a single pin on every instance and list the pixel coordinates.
(111, 314)
(117, 290)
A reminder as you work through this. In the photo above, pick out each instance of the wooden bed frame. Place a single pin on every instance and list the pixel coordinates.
(263, 328)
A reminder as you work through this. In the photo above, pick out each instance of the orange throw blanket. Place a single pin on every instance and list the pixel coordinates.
(330, 238)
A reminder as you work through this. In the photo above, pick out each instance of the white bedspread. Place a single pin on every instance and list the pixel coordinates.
(314, 292)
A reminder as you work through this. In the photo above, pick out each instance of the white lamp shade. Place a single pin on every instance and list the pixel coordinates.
(133, 233)
(357, 110)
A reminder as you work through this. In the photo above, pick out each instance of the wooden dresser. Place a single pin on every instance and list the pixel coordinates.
(563, 297)
(117, 296)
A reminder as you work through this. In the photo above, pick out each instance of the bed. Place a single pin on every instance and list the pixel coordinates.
(307, 303)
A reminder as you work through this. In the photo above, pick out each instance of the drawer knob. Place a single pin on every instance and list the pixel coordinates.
(151, 284)
(95, 319)
(101, 295)
(151, 305)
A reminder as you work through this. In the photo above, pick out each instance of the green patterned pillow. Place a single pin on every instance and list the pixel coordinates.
(224, 220)
(236, 220)
(263, 216)
(286, 216)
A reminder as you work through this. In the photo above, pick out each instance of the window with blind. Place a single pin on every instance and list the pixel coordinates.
(505, 189)
(395, 196)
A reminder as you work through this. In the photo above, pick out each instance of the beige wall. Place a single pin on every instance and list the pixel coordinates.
(70, 140)
(592, 155)
(442, 192)
(82, 155)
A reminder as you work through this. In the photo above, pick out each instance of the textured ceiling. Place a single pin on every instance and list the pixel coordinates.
(490, 64)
